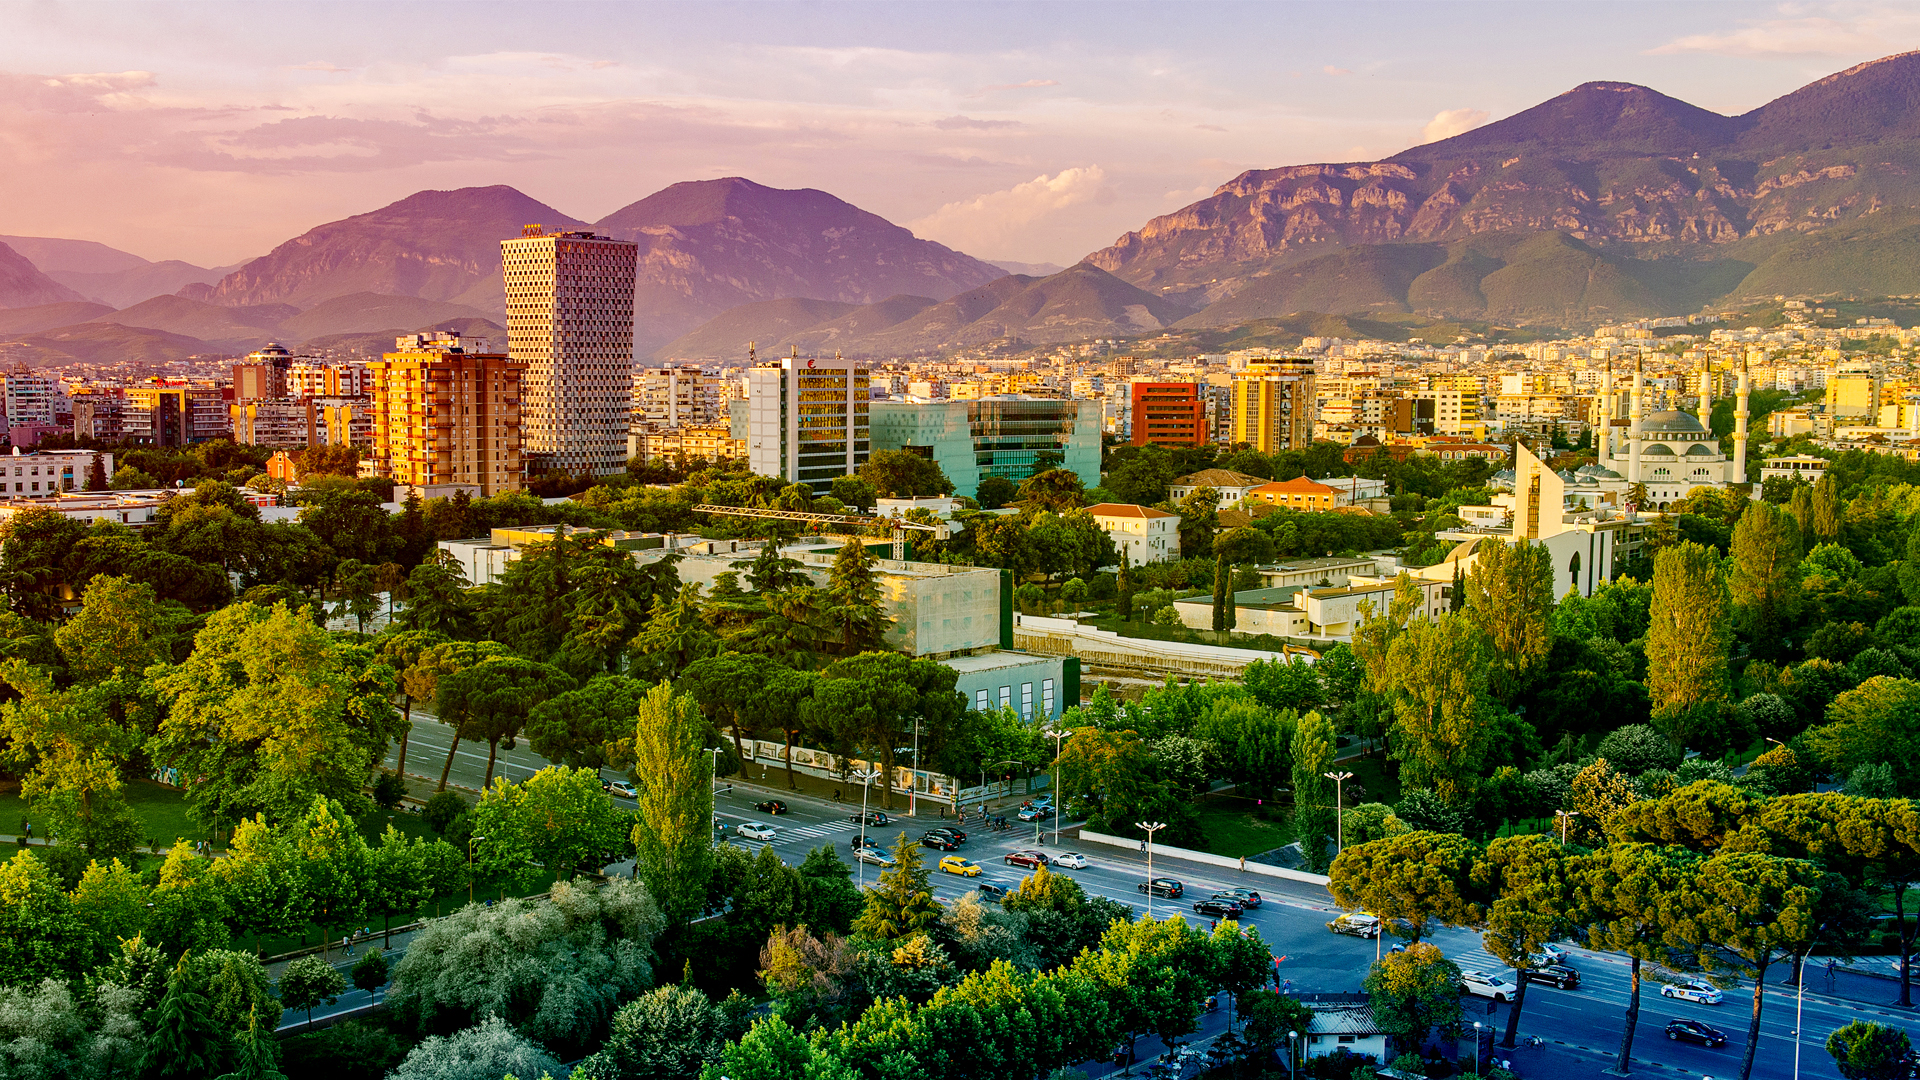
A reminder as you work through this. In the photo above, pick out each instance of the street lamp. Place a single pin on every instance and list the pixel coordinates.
(1564, 816)
(1339, 810)
(1150, 827)
(866, 781)
(713, 803)
(913, 786)
(1476, 1048)
(1293, 1054)
(470, 841)
(1056, 736)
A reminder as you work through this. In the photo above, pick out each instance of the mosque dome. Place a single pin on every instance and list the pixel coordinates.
(1674, 422)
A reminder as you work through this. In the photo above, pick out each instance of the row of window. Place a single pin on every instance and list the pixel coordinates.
(983, 699)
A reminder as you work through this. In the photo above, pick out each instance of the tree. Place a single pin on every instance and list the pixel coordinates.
(854, 602)
(901, 903)
(121, 626)
(437, 598)
(1233, 548)
(1765, 582)
(853, 492)
(1510, 597)
(401, 652)
(75, 743)
(370, 971)
(403, 874)
(1827, 509)
(995, 492)
(492, 699)
(577, 727)
(1415, 991)
(487, 1051)
(1057, 490)
(1876, 722)
(1434, 674)
(1409, 881)
(422, 680)
(904, 474)
(674, 836)
(310, 981)
(554, 970)
(1523, 880)
(256, 1053)
(1624, 894)
(1865, 1050)
(558, 820)
(671, 1032)
(832, 901)
(1687, 638)
(40, 936)
(1313, 818)
(182, 1039)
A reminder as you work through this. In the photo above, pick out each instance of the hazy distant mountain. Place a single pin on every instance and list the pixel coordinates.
(1078, 303)
(99, 343)
(23, 285)
(32, 320)
(237, 329)
(108, 275)
(1669, 206)
(711, 245)
(1040, 269)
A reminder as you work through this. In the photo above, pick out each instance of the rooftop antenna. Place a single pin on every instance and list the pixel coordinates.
(750, 352)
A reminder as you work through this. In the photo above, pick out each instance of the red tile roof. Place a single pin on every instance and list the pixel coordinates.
(1127, 510)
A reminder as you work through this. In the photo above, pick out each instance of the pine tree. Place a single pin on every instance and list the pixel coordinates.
(182, 1038)
(256, 1054)
(97, 474)
(902, 903)
(1458, 602)
(853, 600)
(1125, 586)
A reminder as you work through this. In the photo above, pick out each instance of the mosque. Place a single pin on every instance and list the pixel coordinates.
(1670, 451)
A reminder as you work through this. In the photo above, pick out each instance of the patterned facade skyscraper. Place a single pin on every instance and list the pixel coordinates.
(570, 321)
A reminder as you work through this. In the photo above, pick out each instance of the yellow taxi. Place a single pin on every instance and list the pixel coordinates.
(954, 864)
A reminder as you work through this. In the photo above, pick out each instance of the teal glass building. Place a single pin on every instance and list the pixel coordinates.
(996, 436)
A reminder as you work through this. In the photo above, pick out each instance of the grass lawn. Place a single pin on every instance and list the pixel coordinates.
(1233, 828)
(1382, 784)
(162, 812)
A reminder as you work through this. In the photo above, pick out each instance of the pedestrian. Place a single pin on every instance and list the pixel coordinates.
(1243, 864)
(29, 830)
(346, 944)
(1143, 845)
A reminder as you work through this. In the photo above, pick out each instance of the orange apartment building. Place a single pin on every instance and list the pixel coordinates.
(444, 419)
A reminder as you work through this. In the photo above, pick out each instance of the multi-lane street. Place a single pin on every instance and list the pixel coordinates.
(1582, 1026)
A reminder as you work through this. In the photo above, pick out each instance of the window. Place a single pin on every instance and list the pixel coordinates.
(1006, 697)
(982, 700)
(1026, 700)
(1046, 696)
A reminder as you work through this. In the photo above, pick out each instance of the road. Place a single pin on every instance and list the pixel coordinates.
(1582, 1026)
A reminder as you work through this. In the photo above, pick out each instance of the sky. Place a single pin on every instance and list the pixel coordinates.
(1036, 131)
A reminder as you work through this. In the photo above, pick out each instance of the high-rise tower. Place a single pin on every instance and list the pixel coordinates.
(570, 321)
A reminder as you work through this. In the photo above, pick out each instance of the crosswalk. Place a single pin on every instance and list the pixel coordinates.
(814, 832)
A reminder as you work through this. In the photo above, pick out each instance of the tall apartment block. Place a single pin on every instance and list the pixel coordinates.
(174, 414)
(1273, 405)
(807, 420)
(674, 395)
(570, 322)
(263, 374)
(1168, 414)
(444, 419)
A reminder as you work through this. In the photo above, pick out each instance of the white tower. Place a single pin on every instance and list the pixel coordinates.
(1738, 474)
(1706, 394)
(1633, 421)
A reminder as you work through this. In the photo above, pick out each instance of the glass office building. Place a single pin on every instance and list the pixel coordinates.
(997, 436)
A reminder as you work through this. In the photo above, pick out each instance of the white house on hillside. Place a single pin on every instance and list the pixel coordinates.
(1141, 533)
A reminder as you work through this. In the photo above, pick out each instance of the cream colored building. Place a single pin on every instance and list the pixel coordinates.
(1141, 533)
(1274, 404)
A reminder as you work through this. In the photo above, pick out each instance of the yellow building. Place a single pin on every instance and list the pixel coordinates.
(444, 419)
(690, 442)
(1273, 405)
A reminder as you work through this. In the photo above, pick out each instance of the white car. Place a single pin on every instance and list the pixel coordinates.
(1548, 955)
(873, 855)
(623, 789)
(1488, 986)
(753, 830)
(1072, 860)
(1693, 990)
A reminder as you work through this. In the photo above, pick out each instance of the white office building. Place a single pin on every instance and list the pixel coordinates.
(807, 420)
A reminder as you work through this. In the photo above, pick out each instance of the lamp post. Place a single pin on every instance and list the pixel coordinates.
(1056, 736)
(1564, 816)
(913, 786)
(713, 803)
(983, 781)
(1150, 827)
(1476, 1048)
(470, 841)
(1293, 1054)
(1339, 809)
(866, 782)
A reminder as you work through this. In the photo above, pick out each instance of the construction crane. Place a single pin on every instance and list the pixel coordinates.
(836, 524)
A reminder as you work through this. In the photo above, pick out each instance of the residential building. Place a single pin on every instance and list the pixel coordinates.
(1168, 414)
(1799, 467)
(1141, 533)
(1853, 395)
(570, 325)
(31, 398)
(175, 414)
(1232, 486)
(1343, 1022)
(42, 474)
(808, 420)
(1004, 436)
(1298, 493)
(100, 416)
(677, 394)
(689, 442)
(263, 374)
(313, 378)
(133, 508)
(444, 419)
(1273, 405)
(275, 422)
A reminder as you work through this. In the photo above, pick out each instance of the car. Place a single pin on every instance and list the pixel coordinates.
(1481, 984)
(874, 817)
(1033, 813)
(858, 842)
(873, 856)
(1246, 898)
(1045, 802)
(753, 830)
(939, 840)
(1356, 924)
(771, 806)
(1071, 860)
(622, 789)
(1163, 886)
(1555, 975)
(1693, 990)
(991, 892)
(1696, 1032)
(1549, 954)
(1219, 909)
(955, 864)
(1028, 858)
(958, 835)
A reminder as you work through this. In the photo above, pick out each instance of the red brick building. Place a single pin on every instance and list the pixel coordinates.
(1168, 414)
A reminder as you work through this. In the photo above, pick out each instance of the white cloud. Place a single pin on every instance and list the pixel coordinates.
(997, 219)
(1331, 70)
(1859, 32)
(1451, 122)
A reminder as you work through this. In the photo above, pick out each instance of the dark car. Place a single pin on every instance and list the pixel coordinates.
(1219, 909)
(940, 840)
(859, 842)
(1697, 1032)
(1163, 886)
(1556, 975)
(771, 806)
(1028, 858)
(874, 817)
(1246, 898)
(990, 892)
(959, 836)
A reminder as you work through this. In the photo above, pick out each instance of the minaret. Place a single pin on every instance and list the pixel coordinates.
(1706, 394)
(1739, 470)
(1605, 442)
(1633, 421)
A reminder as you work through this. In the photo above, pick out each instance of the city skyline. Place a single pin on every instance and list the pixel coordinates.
(1034, 134)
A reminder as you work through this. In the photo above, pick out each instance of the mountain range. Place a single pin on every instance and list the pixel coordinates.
(1611, 200)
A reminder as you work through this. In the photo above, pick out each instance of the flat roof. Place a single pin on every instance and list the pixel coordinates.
(995, 661)
(1318, 562)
